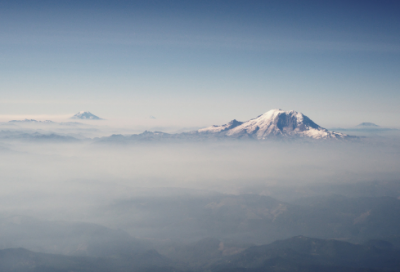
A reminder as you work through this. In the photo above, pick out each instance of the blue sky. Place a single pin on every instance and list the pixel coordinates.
(195, 63)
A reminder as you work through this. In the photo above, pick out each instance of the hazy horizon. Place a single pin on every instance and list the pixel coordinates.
(160, 177)
(201, 63)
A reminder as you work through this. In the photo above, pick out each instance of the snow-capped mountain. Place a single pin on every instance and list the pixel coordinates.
(86, 115)
(274, 123)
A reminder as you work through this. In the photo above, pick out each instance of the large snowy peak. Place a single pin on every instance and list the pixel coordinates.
(275, 123)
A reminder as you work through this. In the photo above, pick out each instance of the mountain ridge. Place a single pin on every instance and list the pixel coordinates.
(275, 123)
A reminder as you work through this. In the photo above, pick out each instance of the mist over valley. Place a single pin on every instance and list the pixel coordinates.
(189, 203)
(199, 136)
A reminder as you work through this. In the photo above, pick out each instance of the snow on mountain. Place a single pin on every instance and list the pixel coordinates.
(275, 123)
(86, 115)
(214, 129)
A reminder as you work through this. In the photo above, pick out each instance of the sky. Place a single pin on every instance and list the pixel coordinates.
(199, 63)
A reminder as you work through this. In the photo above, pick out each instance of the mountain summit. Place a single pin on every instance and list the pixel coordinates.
(274, 123)
(367, 124)
(85, 115)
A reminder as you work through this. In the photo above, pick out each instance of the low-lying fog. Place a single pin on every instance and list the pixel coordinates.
(169, 190)
(66, 174)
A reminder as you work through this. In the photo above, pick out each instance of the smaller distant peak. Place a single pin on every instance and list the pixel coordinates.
(367, 124)
(86, 115)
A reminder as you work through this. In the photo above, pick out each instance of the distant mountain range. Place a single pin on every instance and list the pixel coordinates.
(85, 115)
(35, 136)
(294, 254)
(30, 121)
(274, 124)
(366, 127)
(309, 254)
(211, 232)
